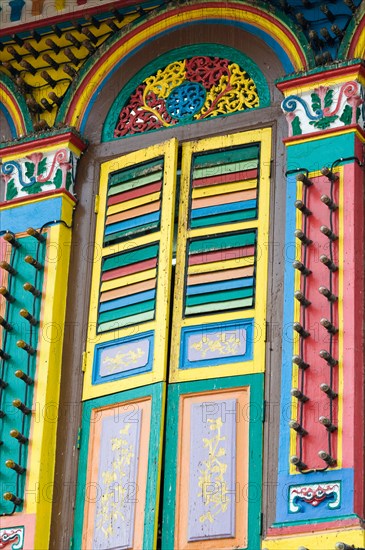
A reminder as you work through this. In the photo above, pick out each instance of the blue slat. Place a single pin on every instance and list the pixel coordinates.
(223, 208)
(127, 300)
(134, 222)
(223, 285)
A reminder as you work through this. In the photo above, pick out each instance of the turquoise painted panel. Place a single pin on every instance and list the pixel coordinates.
(18, 359)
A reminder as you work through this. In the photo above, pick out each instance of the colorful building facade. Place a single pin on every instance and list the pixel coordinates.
(181, 276)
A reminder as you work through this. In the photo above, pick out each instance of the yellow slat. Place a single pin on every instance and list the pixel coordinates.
(219, 266)
(130, 279)
(127, 205)
(200, 192)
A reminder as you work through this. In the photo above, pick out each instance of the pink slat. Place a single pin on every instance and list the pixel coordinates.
(127, 290)
(221, 255)
(225, 199)
(129, 269)
(134, 212)
(135, 193)
(215, 276)
(226, 178)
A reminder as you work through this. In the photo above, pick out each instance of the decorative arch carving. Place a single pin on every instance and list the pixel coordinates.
(184, 86)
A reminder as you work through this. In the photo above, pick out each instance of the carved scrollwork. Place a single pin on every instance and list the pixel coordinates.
(191, 89)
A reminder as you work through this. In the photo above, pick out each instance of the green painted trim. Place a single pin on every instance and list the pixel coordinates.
(157, 392)
(256, 384)
(215, 50)
(313, 155)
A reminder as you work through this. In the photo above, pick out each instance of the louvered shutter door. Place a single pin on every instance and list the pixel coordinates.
(221, 273)
(130, 295)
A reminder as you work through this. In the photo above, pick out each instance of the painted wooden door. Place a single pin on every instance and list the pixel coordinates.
(210, 361)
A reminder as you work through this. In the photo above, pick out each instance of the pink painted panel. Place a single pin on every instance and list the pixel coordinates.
(115, 491)
(212, 470)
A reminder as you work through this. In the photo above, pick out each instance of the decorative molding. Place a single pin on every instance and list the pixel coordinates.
(38, 172)
(324, 107)
(316, 494)
(12, 538)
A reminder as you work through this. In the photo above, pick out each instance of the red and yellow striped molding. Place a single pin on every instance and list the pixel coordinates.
(248, 16)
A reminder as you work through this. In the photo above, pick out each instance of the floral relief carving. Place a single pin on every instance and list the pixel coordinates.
(323, 108)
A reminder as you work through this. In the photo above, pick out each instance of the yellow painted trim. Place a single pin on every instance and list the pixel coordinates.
(161, 323)
(262, 225)
(295, 371)
(322, 540)
(42, 445)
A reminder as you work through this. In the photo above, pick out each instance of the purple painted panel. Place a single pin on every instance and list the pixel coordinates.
(212, 491)
(216, 345)
(124, 357)
(117, 481)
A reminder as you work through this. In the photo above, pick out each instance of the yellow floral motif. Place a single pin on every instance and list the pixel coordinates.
(235, 93)
(213, 475)
(122, 359)
(223, 345)
(115, 489)
(162, 83)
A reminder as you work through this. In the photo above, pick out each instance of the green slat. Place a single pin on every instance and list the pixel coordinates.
(133, 320)
(239, 216)
(219, 296)
(221, 169)
(137, 171)
(227, 155)
(126, 258)
(222, 242)
(126, 311)
(134, 184)
(221, 306)
(127, 232)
